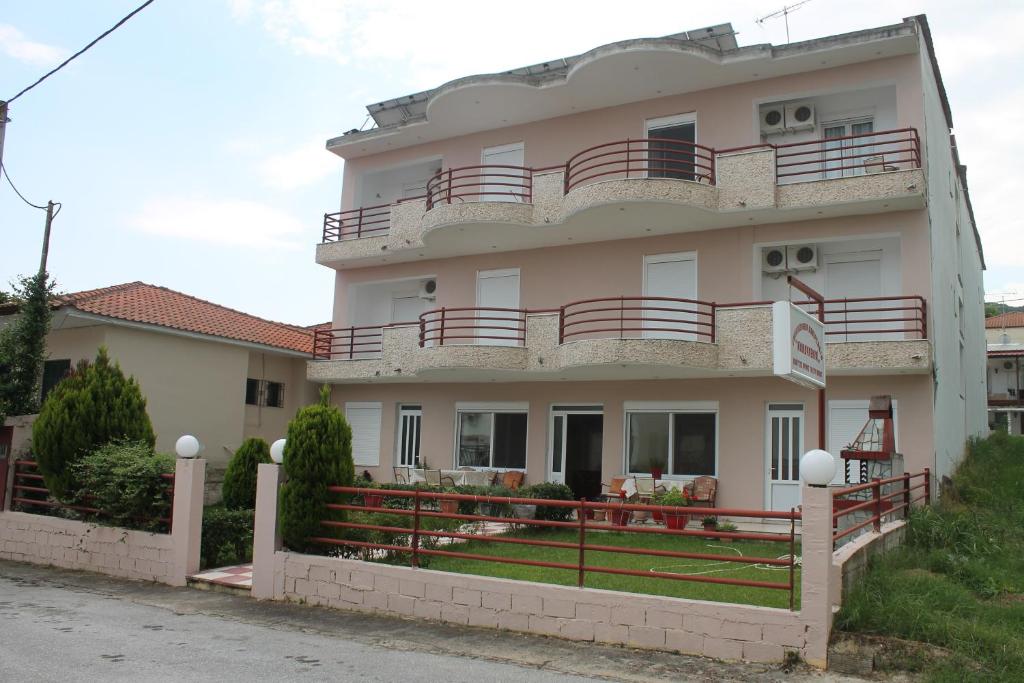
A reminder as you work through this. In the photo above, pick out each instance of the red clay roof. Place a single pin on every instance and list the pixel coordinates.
(1011, 319)
(143, 303)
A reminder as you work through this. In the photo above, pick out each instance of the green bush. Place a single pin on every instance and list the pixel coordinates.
(549, 491)
(123, 480)
(94, 405)
(227, 536)
(240, 477)
(672, 497)
(317, 454)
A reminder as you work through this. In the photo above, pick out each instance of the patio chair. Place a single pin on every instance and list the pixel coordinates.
(447, 480)
(433, 477)
(644, 488)
(614, 489)
(703, 491)
(512, 480)
(402, 475)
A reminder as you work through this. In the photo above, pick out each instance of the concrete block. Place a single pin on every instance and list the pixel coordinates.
(763, 652)
(385, 584)
(548, 626)
(319, 573)
(356, 597)
(722, 648)
(303, 587)
(372, 600)
(401, 604)
(462, 596)
(707, 626)
(328, 589)
(363, 580)
(646, 637)
(511, 621)
(787, 636)
(577, 629)
(685, 642)
(427, 609)
(527, 604)
(414, 589)
(736, 630)
(439, 592)
(481, 616)
(497, 601)
(629, 616)
(457, 614)
(554, 607)
(611, 633)
(662, 619)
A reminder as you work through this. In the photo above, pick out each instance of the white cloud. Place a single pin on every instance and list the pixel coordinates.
(15, 44)
(233, 222)
(299, 167)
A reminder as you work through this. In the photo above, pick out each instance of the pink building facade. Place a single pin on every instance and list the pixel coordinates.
(568, 268)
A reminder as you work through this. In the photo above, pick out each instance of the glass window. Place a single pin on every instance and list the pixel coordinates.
(275, 394)
(678, 444)
(492, 440)
(252, 392)
(53, 372)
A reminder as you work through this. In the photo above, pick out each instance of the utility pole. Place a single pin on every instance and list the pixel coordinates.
(3, 128)
(46, 238)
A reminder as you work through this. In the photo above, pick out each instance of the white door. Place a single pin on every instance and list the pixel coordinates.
(847, 157)
(855, 275)
(406, 308)
(409, 420)
(784, 444)
(556, 447)
(673, 276)
(503, 184)
(497, 296)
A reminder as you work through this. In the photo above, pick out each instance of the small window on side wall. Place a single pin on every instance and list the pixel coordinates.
(53, 372)
(275, 394)
(252, 392)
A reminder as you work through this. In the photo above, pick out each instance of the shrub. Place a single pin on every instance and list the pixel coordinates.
(317, 454)
(227, 536)
(123, 480)
(673, 497)
(94, 405)
(550, 491)
(240, 477)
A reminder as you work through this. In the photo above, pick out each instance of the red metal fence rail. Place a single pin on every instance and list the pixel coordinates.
(641, 158)
(585, 531)
(637, 316)
(873, 152)
(348, 343)
(367, 221)
(493, 183)
(473, 325)
(904, 316)
(30, 491)
(878, 498)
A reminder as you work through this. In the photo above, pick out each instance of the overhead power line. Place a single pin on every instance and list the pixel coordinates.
(72, 57)
(3, 169)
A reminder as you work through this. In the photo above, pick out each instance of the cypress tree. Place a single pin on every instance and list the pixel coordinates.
(317, 454)
(23, 346)
(240, 477)
(94, 405)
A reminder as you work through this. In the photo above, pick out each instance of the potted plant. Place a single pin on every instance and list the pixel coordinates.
(373, 500)
(525, 510)
(675, 518)
(727, 527)
(618, 516)
(449, 506)
(710, 523)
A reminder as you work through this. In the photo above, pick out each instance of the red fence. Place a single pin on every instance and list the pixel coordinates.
(30, 492)
(641, 158)
(875, 500)
(626, 317)
(367, 221)
(495, 183)
(489, 326)
(347, 343)
(848, 155)
(904, 316)
(585, 543)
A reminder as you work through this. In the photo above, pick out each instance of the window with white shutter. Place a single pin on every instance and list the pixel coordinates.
(364, 418)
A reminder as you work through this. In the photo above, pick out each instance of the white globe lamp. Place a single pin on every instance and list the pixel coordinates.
(187, 446)
(277, 451)
(817, 467)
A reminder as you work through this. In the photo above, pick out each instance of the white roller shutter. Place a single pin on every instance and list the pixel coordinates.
(364, 418)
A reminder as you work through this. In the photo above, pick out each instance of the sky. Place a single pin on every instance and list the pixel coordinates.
(187, 148)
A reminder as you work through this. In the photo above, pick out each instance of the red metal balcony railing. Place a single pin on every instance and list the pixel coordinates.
(625, 317)
(367, 221)
(849, 155)
(495, 183)
(348, 343)
(486, 326)
(876, 318)
(641, 158)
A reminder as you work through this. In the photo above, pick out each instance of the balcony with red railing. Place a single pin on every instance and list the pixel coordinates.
(493, 183)
(369, 221)
(637, 317)
(472, 325)
(348, 343)
(848, 156)
(646, 158)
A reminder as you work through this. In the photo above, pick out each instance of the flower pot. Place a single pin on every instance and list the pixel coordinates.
(676, 520)
(641, 515)
(449, 507)
(373, 500)
(710, 527)
(619, 517)
(658, 516)
(599, 515)
(524, 511)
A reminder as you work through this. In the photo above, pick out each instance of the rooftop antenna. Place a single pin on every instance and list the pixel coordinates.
(784, 13)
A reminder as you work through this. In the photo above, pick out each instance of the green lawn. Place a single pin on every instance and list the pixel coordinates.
(635, 584)
(959, 583)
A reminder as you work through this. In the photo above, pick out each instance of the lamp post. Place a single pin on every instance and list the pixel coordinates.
(187, 446)
(277, 451)
(817, 467)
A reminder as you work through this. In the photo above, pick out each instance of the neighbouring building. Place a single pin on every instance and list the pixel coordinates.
(1005, 335)
(219, 374)
(568, 268)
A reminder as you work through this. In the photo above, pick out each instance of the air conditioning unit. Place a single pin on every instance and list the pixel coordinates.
(773, 119)
(802, 257)
(773, 260)
(428, 290)
(799, 116)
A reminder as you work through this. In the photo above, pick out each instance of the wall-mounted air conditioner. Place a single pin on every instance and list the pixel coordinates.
(773, 119)
(428, 290)
(802, 257)
(773, 260)
(799, 116)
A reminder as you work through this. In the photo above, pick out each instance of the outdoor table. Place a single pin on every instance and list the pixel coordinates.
(459, 477)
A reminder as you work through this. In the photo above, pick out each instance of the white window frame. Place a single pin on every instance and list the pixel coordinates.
(670, 407)
(406, 409)
(670, 122)
(522, 407)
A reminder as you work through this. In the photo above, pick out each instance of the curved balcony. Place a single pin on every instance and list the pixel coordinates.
(495, 183)
(475, 338)
(641, 158)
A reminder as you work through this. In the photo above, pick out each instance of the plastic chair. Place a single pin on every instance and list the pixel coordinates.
(402, 475)
(433, 477)
(704, 491)
(512, 480)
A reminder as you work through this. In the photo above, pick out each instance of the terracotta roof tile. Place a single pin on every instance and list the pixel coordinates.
(143, 303)
(1011, 319)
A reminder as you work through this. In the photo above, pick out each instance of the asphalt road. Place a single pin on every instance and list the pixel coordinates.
(58, 625)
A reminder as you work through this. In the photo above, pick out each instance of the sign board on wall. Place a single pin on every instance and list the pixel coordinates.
(798, 347)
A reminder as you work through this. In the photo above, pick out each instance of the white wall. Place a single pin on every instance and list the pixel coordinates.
(776, 289)
(371, 304)
(386, 187)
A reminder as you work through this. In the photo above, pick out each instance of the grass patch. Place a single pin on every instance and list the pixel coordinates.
(634, 584)
(959, 581)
